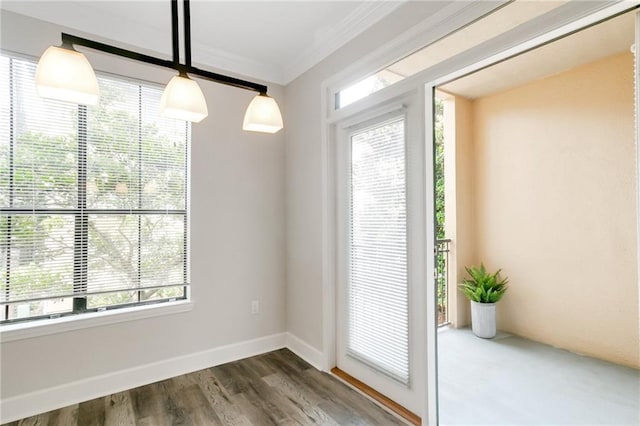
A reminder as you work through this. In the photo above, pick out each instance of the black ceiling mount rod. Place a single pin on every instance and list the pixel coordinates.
(187, 32)
(71, 40)
(175, 48)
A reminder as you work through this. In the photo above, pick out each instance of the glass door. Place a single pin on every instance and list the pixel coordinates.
(380, 286)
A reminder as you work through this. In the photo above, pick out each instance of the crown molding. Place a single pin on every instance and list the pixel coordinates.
(331, 39)
(327, 41)
(237, 64)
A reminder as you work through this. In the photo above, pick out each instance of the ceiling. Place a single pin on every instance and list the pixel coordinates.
(270, 40)
(499, 21)
(608, 38)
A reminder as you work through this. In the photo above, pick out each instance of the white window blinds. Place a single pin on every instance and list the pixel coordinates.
(92, 199)
(378, 289)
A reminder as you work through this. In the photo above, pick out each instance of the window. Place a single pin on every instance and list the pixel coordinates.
(367, 86)
(93, 200)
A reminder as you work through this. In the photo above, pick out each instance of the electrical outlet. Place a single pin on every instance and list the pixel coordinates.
(255, 307)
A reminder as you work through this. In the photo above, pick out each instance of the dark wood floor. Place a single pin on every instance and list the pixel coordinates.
(277, 388)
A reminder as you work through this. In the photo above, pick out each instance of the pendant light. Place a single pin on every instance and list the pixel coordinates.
(263, 115)
(63, 73)
(183, 99)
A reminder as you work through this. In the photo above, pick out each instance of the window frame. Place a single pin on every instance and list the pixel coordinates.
(80, 316)
(28, 329)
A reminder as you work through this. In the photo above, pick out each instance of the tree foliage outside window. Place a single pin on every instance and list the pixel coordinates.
(439, 168)
(442, 246)
(92, 199)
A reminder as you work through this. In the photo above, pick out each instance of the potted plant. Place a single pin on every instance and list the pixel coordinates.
(484, 290)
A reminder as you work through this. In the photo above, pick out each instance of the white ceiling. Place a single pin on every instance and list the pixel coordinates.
(608, 38)
(271, 40)
(499, 21)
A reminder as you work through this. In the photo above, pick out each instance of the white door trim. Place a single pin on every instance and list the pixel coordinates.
(411, 111)
(637, 118)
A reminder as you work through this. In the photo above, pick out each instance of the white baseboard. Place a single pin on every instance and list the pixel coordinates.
(305, 351)
(19, 407)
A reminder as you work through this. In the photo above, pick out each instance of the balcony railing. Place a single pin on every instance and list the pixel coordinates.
(442, 273)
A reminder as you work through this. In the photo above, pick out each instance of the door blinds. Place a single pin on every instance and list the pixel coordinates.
(378, 291)
(92, 199)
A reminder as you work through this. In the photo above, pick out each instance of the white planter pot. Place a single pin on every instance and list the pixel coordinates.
(483, 319)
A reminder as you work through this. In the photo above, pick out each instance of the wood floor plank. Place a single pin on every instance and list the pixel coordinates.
(289, 407)
(118, 410)
(285, 359)
(268, 406)
(146, 422)
(308, 406)
(175, 413)
(343, 415)
(294, 375)
(39, 420)
(273, 389)
(92, 413)
(229, 379)
(198, 407)
(254, 414)
(67, 416)
(259, 366)
(356, 403)
(258, 393)
(220, 400)
(147, 405)
(377, 396)
(341, 403)
(182, 382)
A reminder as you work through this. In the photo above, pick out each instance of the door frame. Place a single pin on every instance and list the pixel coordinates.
(572, 17)
(409, 106)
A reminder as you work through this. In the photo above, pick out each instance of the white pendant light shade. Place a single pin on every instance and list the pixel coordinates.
(66, 75)
(183, 99)
(263, 115)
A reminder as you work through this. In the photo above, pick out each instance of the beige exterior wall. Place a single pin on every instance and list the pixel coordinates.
(459, 199)
(555, 185)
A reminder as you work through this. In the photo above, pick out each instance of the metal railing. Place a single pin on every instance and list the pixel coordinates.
(442, 273)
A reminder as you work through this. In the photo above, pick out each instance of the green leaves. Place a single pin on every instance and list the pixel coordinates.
(439, 167)
(483, 287)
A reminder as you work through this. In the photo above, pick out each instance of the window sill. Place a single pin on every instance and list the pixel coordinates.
(27, 330)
